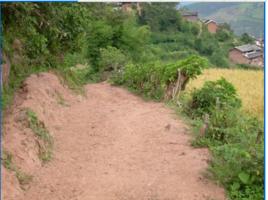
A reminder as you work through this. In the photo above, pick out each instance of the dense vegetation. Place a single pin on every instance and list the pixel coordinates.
(248, 84)
(234, 138)
(155, 54)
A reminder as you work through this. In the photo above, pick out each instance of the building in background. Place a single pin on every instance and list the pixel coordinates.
(212, 26)
(249, 54)
(259, 42)
(128, 7)
(189, 15)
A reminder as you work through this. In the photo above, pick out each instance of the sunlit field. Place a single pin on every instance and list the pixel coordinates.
(248, 83)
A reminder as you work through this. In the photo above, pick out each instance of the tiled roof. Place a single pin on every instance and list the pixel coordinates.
(189, 13)
(208, 21)
(254, 54)
(248, 47)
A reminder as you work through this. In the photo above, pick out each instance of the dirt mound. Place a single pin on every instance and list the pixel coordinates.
(43, 94)
(109, 145)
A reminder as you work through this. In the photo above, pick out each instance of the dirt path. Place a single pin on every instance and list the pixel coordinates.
(113, 145)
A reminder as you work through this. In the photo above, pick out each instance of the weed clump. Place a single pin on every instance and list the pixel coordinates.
(235, 139)
(214, 95)
(46, 146)
(23, 178)
(157, 80)
(7, 160)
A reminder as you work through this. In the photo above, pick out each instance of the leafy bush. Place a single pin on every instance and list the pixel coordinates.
(152, 79)
(112, 59)
(223, 34)
(72, 59)
(100, 37)
(238, 164)
(219, 94)
(190, 67)
(146, 79)
(160, 17)
(235, 139)
(245, 38)
(206, 45)
(218, 59)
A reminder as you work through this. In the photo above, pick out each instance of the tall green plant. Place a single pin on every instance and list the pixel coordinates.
(214, 94)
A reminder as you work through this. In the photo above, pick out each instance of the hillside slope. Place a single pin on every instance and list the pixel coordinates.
(243, 17)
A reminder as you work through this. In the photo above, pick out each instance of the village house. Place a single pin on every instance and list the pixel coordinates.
(128, 7)
(189, 16)
(259, 42)
(249, 54)
(211, 26)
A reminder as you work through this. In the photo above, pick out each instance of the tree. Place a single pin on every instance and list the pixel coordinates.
(112, 59)
(223, 34)
(246, 38)
(178, 75)
(226, 26)
(160, 16)
(219, 59)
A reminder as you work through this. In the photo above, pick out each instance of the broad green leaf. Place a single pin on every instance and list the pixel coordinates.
(244, 177)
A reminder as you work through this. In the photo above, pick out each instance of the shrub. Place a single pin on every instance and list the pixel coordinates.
(100, 37)
(72, 59)
(143, 78)
(218, 59)
(153, 78)
(218, 93)
(235, 139)
(112, 59)
(228, 125)
(245, 38)
(239, 167)
(191, 67)
(223, 34)
(221, 121)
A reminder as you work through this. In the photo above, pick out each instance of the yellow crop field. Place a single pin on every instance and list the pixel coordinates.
(248, 83)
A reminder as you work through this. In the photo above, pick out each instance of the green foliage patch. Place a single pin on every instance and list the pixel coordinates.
(235, 139)
(212, 95)
(45, 149)
(7, 160)
(152, 79)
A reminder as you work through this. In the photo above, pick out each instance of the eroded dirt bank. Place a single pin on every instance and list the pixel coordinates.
(108, 145)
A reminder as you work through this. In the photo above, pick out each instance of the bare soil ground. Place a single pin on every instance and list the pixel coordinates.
(108, 145)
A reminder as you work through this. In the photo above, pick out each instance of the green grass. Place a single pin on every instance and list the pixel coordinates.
(7, 161)
(17, 75)
(38, 127)
(73, 79)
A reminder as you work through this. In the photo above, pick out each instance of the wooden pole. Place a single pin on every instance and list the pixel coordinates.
(177, 88)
